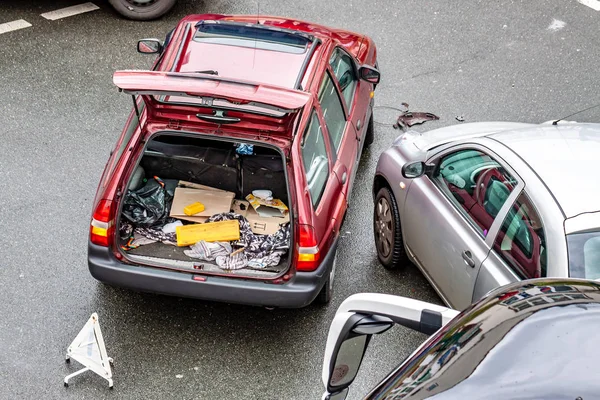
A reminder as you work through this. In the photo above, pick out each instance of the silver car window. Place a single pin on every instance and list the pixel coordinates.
(476, 184)
(584, 255)
(521, 242)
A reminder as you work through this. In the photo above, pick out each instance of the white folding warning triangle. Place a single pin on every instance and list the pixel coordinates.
(88, 349)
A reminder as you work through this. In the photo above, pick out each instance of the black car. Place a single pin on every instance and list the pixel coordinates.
(142, 10)
(528, 340)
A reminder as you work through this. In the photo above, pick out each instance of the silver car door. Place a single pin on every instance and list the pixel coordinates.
(519, 250)
(449, 216)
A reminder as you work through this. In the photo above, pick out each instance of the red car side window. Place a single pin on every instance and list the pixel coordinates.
(333, 111)
(315, 159)
(521, 242)
(343, 69)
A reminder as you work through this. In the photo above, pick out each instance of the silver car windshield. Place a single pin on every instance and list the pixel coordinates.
(584, 255)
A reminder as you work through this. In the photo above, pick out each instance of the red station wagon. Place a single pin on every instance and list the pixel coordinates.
(299, 95)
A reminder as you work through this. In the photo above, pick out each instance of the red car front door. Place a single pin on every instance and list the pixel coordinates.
(356, 99)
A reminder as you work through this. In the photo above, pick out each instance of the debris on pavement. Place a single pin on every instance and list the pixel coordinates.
(408, 118)
(460, 118)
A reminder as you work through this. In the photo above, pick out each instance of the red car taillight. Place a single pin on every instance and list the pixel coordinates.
(308, 251)
(101, 227)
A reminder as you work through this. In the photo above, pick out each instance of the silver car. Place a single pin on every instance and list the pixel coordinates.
(480, 205)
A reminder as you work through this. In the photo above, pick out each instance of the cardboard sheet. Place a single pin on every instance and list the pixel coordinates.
(215, 202)
(268, 208)
(259, 225)
(192, 185)
(240, 207)
(265, 225)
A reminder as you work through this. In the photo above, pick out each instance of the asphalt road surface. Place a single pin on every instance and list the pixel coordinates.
(60, 116)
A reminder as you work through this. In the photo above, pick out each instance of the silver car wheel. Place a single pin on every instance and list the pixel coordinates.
(384, 228)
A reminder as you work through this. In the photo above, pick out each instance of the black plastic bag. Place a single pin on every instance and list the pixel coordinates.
(150, 204)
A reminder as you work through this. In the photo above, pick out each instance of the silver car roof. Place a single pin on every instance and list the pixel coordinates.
(566, 157)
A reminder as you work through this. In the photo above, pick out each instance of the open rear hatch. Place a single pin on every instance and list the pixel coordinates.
(240, 235)
(213, 99)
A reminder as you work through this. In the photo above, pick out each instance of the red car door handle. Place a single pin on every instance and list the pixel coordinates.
(468, 257)
(344, 177)
(342, 173)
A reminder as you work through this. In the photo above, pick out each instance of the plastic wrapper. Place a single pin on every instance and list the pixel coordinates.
(150, 204)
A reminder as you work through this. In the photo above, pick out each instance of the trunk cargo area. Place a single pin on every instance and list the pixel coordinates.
(182, 170)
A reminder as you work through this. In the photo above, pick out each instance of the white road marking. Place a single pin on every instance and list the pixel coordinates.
(13, 26)
(70, 11)
(595, 4)
(556, 25)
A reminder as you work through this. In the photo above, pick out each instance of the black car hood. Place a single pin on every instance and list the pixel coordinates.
(533, 341)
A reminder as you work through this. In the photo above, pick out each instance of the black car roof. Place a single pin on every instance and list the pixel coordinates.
(527, 340)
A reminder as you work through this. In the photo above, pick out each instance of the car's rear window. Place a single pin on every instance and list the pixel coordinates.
(248, 36)
(584, 255)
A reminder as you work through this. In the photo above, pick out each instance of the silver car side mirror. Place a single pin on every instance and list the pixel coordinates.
(413, 170)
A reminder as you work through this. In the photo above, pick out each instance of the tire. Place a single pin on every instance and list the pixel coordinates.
(142, 10)
(370, 134)
(387, 230)
(326, 293)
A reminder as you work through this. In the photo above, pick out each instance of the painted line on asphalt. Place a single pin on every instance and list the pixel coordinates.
(70, 11)
(14, 26)
(595, 4)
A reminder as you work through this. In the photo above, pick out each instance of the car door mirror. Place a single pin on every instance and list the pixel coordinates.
(149, 46)
(413, 169)
(363, 315)
(349, 340)
(369, 74)
(341, 395)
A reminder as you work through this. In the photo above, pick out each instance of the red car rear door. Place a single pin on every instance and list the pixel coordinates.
(322, 198)
(340, 130)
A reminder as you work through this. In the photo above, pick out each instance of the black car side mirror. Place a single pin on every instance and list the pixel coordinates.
(369, 74)
(361, 316)
(149, 46)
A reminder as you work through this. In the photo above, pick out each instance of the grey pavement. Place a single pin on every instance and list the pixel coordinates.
(60, 116)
